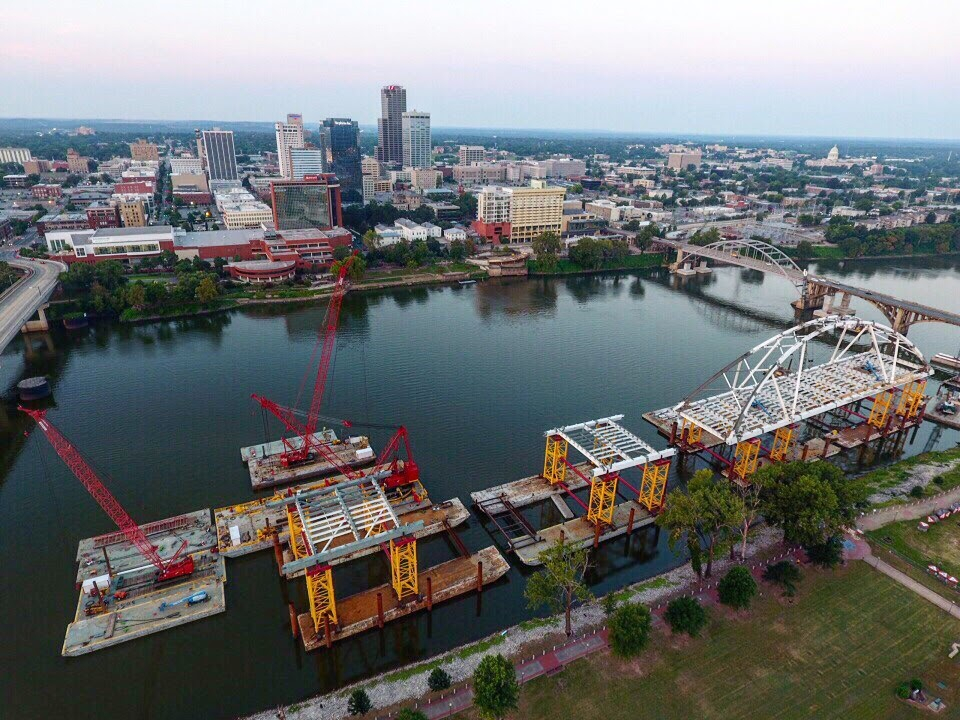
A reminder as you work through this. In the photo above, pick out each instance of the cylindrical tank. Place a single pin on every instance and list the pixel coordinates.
(33, 388)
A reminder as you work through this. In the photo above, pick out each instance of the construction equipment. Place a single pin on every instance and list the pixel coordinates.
(301, 446)
(195, 599)
(169, 569)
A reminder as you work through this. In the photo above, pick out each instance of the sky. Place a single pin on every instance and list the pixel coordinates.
(844, 68)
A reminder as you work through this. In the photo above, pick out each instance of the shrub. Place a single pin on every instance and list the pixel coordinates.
(609, 604)
(916, 491)
(916, 684)
(495, 688)
(359, 702)
(939, 480)
(827, 554)
(629, 629)
(438, 680)
(903, 690)
(737, 588)
(786, 574)
(687, 615)
(408, 714)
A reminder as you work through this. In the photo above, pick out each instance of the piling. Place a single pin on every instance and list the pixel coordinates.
(803, 456)
(826, 446)
(380, 610)
(277, 552)
(429, 593)
(294, 628)
(479, 576)
(328, 638)
(630, 521)
(596, 535)
(673, 433)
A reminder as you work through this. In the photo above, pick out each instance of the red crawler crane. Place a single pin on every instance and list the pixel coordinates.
(294, 453)
(166, 569)
(297, 452)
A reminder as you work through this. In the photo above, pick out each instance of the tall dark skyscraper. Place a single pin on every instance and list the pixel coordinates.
(218, 154)
(340, 143)
(393, 104)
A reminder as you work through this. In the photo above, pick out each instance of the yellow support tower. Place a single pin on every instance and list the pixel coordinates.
(654, 484)
(691, 431)
(748, 455)
(403, 567)
(320, 592)
(297, 541)
(880, 409)
(911, 398)
(554, 459)
(782, 440)
(603, 494)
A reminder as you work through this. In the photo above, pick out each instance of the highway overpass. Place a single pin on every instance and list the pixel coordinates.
(20, 302)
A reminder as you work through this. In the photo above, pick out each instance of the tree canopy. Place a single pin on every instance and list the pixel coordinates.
(495, 688)
(560, 583)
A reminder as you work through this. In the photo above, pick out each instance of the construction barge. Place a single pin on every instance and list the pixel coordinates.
(120, 597)
(265, 461)
(610, 450)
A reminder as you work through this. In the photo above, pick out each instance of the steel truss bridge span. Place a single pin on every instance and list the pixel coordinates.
(774, 384)
(748, 253)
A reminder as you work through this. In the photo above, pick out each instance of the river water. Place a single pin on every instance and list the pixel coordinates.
(476, 373)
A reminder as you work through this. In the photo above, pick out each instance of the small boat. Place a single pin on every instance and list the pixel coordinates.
(467, 282)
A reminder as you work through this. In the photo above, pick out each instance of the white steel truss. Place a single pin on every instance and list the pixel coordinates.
(748, 252)
(775, 384)
(609, 446)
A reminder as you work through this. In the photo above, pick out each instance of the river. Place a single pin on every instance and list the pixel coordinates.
(476, 373)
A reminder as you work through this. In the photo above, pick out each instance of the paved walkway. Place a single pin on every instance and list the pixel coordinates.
(911, 511)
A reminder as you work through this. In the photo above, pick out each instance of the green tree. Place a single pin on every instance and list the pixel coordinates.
(685, 614)
(495, 688)
(342, 252)
(359, 702)
(786, 574)
(629, 629)
(810, 502)
(737, 588)
(804, 250)
(705, 515)
(587, 253)
(546, 246)
(438, 680)
(137, 295)
(207, 290)
(358, 268)
(410, 714)
(458, 251)
(560, 583)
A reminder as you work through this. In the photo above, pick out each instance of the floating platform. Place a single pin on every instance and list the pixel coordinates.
(267, 471)
(115, 565)
(664, 419)
(950, 421)
(582, 533)
(358, 613)
(527, 491)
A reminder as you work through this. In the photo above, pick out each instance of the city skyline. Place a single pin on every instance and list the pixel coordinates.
(822, 70)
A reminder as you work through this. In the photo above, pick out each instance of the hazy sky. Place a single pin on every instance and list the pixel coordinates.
(837, 68)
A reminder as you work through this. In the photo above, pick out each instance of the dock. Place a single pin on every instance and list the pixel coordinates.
(267, 471)
(112, 562)
(663, 420)
(358, 613)
(526, 491)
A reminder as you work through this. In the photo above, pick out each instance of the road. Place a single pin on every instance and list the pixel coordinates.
(20, 302)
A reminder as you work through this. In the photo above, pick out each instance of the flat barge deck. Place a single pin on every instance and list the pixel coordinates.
(267, 471)
(358, 613)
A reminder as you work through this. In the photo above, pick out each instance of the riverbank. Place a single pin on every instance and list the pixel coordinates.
(407, 684)
(568, 267)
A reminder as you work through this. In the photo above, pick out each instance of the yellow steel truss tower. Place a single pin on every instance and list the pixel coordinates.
(403, 567)
(747, 457)
(297, 541)
(654, 484)
(692, 431)
(880, 409)
(782, 440)
(603, 494)
(911, 398)
(320, 592)
(554, 459)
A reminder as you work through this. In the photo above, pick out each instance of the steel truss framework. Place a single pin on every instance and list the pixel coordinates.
(771, 386)
(319, 520)
(607, 445)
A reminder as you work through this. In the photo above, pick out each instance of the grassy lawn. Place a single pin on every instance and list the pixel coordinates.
(838, 650)
(940, 545)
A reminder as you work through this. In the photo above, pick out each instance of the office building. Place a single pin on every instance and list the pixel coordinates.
(218, 154)
(289, 136)
(393, 104)
(132, 213)
(15, 155)
(520, 213)
(313, 202)
(480, 173)
(417, 148)
(102, 215)
(304, 161)
(425, 179)
(185, 166)
(683, 160)
(372, 186)
(470, 154)
(370, 166)
(143, 151)
(76, 163)
(340, 142)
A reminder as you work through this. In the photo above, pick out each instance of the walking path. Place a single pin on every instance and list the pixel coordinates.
(911, 511)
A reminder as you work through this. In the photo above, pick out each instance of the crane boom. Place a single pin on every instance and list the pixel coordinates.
(331, 321)
(88, 478)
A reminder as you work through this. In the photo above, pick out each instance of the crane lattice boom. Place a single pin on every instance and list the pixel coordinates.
(88, 478)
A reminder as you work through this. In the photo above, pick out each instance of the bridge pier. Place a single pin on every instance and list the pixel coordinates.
(41, 324)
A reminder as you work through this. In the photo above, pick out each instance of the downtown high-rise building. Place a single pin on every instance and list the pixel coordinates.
(393, 104)
(340, 142)
(417, 147)
(289, 136)
(218, 153)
